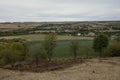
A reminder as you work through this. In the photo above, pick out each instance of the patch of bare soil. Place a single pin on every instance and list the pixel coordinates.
(93, 69)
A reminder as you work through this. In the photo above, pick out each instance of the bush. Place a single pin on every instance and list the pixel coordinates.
(74, 47)
(118, 39)
(11, 52)
(9, 56)
(5, 57)
(100, 42)
(39, 55)
(49, 44)
(113, 50)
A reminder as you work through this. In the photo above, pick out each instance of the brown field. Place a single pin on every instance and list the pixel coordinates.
(17, 26)
(93, 69)
(8, 26)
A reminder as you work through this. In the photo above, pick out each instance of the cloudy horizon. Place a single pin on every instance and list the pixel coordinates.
(59, 10)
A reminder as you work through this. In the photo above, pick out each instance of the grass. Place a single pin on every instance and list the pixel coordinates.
(40, 37)
(62, 48)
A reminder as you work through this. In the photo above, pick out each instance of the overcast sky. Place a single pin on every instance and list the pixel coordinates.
(59, 10)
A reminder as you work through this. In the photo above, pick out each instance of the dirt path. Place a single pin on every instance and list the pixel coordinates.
(93, 69)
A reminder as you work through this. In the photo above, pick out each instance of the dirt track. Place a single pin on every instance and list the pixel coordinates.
(93, 69)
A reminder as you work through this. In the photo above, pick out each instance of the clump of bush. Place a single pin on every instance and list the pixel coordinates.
(12, 40)
(118, 39)
(11, 52)
(39, 55)
(113, 50)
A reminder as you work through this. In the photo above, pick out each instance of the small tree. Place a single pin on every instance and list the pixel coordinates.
(9, 56)
(118, 39)
(100, 42)
(39, 55)
(113, 50)
(49, 44)
(17, 46)
(6, 56)
(74, 46)
(87, 51)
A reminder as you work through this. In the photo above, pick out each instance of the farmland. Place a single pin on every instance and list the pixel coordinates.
(62, 28)
(63, 41)
(62, 49)
(59, 40)
(29, 50)
(40, 37)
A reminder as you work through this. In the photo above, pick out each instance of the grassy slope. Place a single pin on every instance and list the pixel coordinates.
(108, 69)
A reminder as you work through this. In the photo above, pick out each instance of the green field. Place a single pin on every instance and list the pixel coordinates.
(40, 37)
(62, 48)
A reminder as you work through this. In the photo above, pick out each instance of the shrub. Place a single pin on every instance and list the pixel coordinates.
(113, 50)
(118, 39)
(39, 55)
(11, 52)
(74, 46)
(100, 43)
(49, 44)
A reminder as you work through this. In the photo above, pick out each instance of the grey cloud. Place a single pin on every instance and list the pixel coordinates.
(59, 10)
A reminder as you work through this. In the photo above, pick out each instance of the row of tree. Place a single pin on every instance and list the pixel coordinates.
(17, 51)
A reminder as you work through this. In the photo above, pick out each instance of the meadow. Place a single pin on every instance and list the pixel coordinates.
(40, 37)
(62, 47)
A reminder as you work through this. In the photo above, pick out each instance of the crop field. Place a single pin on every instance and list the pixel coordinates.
(19, 25)
(62, 47)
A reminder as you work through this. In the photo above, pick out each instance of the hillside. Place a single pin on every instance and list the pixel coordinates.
(94, 69)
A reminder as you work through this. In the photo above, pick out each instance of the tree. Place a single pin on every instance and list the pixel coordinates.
(17, 46)
(26, 51)
(49, 44)
(6, 56)
(113, 50)
(118, 39)
(39, 55)
(100, 42)
(74, 46)
(87, 51)
(9, 56)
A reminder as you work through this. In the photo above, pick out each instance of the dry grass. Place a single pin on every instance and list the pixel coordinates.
(94, 69)
(8, 26)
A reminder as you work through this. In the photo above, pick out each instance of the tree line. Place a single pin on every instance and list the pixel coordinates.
(16, 50)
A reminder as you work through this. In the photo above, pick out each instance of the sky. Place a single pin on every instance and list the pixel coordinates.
(59, 10)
